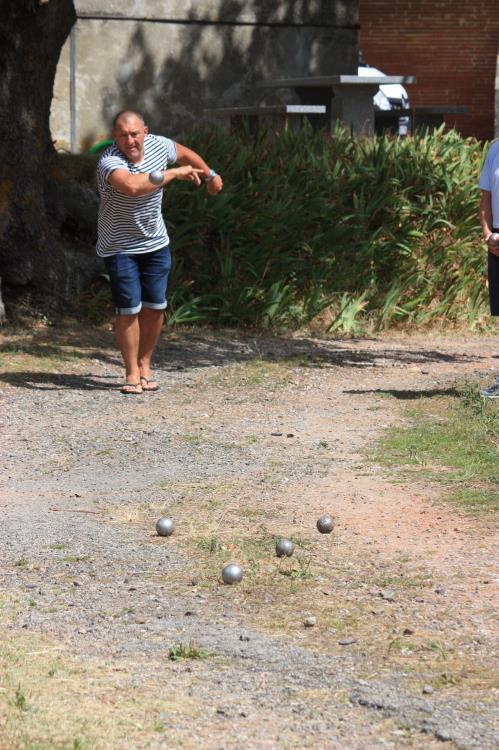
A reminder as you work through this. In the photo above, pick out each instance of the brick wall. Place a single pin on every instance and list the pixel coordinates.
(449, 45)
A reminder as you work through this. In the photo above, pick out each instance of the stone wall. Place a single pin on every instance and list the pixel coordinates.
(170, 59)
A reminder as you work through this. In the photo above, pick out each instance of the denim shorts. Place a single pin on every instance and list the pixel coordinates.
(139, 280)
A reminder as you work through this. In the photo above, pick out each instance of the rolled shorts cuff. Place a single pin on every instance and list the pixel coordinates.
(155, 305)
(128, 310)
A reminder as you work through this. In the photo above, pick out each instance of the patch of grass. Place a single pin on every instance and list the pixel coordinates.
(448, 679)
(258, 372)
(436, 647)
(343, 624)
(75, 558)
(187, 651)
(20, 700)
(78, 702)
(404, 582)
(57, 546)
(403, 646)
(40, 357)
(194, 439)
(453, 440)
(23, 563)
(300, 571)
(211, 545)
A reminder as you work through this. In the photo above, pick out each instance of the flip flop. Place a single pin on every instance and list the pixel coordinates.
(131, 389)
(148, 385)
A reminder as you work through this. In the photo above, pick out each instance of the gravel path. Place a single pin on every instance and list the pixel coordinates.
(248, 438)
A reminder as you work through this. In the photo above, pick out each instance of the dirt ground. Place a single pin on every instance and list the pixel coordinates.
(382, 634)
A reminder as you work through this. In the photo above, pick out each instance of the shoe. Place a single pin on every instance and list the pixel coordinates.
(131, 388)
(492, 391)
(148, 385)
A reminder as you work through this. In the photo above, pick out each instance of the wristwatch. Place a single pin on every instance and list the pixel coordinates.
(210, 176)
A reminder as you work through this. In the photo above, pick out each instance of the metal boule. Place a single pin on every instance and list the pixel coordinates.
(156, 177)
(165, 526)
(284, 548)
(325, 524)
(232, 573)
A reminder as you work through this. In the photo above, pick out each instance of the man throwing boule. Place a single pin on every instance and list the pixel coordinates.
(132, 237)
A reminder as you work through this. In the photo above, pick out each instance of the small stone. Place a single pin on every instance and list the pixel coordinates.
(408, 631)
(427, 690)
(347, 641)
(388, 595)
(276, 434)
(309, 622)
(443, 734)
(194, 582)
(440, 590)
(244, 637)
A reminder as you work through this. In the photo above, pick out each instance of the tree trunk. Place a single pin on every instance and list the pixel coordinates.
(32, 33)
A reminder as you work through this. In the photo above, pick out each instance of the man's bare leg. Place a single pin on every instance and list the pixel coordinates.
(150, 324)
(128, 337)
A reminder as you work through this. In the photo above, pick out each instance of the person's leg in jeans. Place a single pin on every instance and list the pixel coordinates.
(155, 269)
(138, 286)
(124, 277)
(150, 324)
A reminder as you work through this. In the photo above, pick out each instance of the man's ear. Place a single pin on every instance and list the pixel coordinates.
(146, 130)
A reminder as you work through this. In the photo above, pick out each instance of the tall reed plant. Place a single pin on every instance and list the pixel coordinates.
(378, 231)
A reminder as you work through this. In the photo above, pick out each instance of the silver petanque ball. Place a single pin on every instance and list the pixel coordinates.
(165, 526)
(156, 177)
(232, 573)
(284, 548)
(325, 524)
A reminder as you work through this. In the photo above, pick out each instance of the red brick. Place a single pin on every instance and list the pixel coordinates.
(449, 45)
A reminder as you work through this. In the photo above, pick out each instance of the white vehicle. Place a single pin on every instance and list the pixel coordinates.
(391, 96)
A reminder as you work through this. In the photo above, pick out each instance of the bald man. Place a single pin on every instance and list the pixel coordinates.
(132, 236)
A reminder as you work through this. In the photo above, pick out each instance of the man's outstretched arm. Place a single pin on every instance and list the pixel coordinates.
(188, 157)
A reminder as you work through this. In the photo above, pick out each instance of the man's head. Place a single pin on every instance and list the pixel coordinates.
(129, 131)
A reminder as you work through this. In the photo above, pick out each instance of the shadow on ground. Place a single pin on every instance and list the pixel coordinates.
(208, 351)
(187, 350)
(406, 395)
(51, 381)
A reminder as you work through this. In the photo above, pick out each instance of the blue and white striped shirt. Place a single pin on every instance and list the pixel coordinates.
(129, 224)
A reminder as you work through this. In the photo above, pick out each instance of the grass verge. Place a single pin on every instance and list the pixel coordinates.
(453, 440)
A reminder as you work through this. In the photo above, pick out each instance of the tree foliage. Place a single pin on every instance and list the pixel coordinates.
(32, 188)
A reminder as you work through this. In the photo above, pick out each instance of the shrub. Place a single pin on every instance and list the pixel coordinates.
(379, 230)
